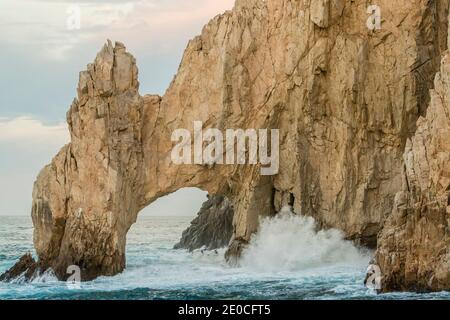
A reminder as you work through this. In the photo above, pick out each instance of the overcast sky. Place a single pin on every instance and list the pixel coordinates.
(40, 59)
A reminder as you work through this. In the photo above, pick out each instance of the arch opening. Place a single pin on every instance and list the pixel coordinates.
(187, 219)
(184, 202)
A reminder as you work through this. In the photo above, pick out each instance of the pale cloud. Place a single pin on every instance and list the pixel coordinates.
(28, 132)
(42, 25)
(26, 146)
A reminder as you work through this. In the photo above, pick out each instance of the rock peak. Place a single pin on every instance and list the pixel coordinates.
(114, 71)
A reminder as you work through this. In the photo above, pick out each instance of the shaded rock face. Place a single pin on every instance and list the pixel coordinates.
(345, 99)
(212, 228)
(413, 251)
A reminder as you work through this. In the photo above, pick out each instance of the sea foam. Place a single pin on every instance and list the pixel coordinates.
(288, 242)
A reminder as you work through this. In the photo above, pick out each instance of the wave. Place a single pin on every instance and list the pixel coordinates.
(291, 243)
(46, 277)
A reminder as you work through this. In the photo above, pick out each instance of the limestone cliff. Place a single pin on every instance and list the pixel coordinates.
(345, 99)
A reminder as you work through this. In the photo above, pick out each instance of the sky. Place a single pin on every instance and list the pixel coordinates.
(42, 52)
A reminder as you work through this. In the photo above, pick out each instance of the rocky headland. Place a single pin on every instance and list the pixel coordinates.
(364, 121)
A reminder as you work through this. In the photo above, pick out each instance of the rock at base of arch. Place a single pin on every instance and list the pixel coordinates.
(212, 228)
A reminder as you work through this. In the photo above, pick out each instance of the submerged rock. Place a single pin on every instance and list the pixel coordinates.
(212, 228)
(26, 267)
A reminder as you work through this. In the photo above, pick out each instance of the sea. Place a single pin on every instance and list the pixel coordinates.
(287, 259)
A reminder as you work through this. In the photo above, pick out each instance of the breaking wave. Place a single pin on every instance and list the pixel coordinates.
(291, 243)
(46, 277)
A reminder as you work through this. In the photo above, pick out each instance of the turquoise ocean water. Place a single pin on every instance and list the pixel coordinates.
(287, 260)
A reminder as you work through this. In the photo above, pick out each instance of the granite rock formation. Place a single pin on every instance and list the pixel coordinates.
(212, 228)
(345, 98)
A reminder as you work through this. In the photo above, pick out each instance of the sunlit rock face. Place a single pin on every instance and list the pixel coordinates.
(85, 201)
(345, 98)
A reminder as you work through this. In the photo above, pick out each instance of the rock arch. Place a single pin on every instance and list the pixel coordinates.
(345, 98)
(118, 162)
